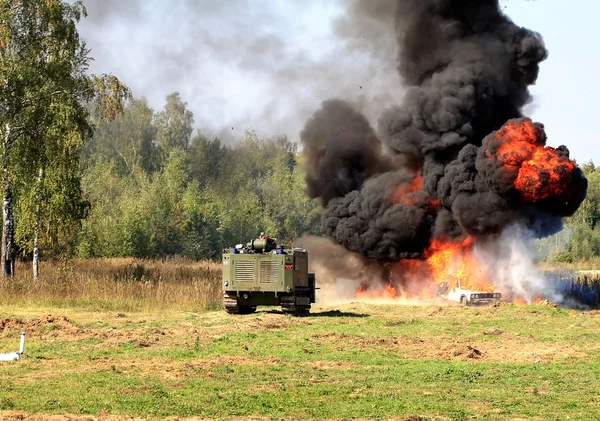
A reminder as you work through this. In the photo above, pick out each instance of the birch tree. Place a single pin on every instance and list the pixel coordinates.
(44, 89)
(175, 125)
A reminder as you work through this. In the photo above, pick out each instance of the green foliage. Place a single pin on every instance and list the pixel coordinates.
(589, 211)
(175, 125)
(157, 191)
(580, 238)
(585, 242)
(561, 257)
(128, 141)
(135, 234)
(45, 88)
(201, 236)
(208, 159)
(555, 244)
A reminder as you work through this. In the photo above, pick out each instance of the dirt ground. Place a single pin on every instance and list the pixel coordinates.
(494, 334)
(22, 416)
(141, 330)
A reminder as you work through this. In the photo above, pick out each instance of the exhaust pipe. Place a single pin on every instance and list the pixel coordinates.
(13, 356)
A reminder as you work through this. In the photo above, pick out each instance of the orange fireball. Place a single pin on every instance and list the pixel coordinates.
(542, 172)
(445, 261)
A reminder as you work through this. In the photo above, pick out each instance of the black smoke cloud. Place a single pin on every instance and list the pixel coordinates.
(363, 221)
(466, 68)
(341, 151)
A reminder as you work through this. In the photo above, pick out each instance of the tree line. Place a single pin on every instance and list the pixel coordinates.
(87, 170)
(579, 240)
(149, 186)
(156, 188)
(45, 94)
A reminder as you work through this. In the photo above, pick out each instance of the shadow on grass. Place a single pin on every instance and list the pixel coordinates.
(330, 313)
(338, 313)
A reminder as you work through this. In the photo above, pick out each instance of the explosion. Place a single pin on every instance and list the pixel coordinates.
(443, 263)
(366, 292)
(453, 261)
(403, 195)
(454, 165)
(402, 192)
(543, 172)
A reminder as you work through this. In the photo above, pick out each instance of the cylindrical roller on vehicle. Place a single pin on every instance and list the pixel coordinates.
(259, 244)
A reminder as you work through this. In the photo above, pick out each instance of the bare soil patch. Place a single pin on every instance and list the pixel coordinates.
(34, 325)
(24, 416)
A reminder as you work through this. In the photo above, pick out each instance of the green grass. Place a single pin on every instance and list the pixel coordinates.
(352, 361)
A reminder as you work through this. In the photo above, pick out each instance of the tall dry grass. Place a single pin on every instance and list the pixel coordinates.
(591, 264)
(579, 282)
(117, 284)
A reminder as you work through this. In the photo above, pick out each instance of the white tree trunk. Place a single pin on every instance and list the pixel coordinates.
(8, 233)
(36, 251)
(36, 233)
(7, 258)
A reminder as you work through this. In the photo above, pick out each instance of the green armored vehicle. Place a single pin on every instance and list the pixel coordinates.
(265, 273)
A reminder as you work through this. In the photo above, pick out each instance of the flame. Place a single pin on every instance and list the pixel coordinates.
(402, 195)
(542, 171)
(537, 172)
(452, 261)
(403, 189)
(444, 261)
(365, 292)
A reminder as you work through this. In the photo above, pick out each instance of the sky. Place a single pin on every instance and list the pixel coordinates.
(266, 65)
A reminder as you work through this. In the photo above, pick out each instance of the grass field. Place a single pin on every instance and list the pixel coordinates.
(352, 361)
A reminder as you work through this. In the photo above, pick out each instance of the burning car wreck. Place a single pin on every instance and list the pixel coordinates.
(455, 292)
(432, 193)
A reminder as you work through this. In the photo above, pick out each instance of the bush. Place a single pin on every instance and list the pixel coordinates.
(561, 257)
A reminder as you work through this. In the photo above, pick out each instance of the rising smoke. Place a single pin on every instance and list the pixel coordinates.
(243, 64)
(510, 258)
(456, 157)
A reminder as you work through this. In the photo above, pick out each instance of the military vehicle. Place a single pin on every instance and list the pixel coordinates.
(266, 273)
(452, 291)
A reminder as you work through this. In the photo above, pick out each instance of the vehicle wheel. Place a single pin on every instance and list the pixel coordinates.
(463, 300)
(302, 310)
(296, 310)
(231, 306)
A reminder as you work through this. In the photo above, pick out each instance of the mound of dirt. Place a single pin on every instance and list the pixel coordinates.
(458, 351)
(10, 323)
(36, 326)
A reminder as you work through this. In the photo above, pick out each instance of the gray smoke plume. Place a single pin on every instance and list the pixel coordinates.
(339, 272)
(243, 64)
(466, 68)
